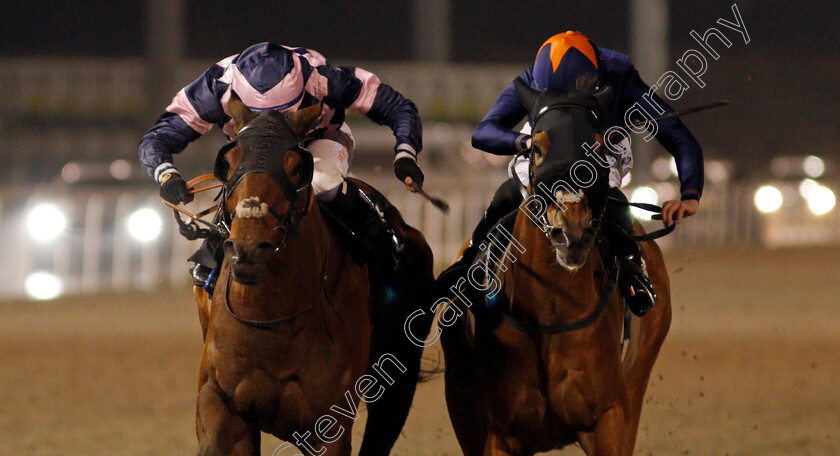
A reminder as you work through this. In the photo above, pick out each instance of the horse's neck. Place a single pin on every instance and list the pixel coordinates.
(540, 281)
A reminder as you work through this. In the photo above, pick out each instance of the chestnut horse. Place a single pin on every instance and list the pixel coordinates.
(292, 344)
(549, 372)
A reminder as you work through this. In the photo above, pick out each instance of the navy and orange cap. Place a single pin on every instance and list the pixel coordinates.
(565, 57)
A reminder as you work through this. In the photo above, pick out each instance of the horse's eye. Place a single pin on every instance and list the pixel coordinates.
(537, 149)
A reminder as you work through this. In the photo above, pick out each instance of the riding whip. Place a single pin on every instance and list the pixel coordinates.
(681, 113)
(436, 202)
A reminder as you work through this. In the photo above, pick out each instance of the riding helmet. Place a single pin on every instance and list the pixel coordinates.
(565, 57)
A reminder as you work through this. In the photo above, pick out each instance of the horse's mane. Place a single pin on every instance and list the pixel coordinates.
(268, 126)
(586, 81)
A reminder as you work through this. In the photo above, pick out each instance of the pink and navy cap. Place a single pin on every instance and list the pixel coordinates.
(267, 76)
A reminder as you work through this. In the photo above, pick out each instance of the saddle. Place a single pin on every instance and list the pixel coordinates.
(361, 249)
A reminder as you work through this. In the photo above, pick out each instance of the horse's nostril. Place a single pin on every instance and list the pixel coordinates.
(558, 236)
(262, 252)
(231, 252)
(239, 252)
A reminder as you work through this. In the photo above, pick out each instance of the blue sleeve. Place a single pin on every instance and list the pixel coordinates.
(672, 134)
(393, 109)
(198, 102)
(170, 135)
(389, 107)
(494, 133)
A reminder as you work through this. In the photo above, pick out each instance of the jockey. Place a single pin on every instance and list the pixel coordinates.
(561, 60)
(267, 76)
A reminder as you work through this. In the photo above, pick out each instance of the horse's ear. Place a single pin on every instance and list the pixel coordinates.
(239, 112)
(304, 119)
(527, 95)
(221, 168)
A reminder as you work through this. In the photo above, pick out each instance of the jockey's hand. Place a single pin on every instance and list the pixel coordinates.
(408, 172)
(174, 189)
(676, 211)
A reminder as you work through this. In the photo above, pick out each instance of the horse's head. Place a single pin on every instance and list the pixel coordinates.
(267, 176)
(564, 173)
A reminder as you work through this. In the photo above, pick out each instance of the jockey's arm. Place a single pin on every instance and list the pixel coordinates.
(361, 91)
(494, 134)
(192, 112)
(678, 141)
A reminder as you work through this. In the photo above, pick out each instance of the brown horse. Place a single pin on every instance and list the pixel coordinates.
(291, 347)
(549, 371)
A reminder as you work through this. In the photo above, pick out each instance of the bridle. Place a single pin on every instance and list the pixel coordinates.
(540, 115)
(589, 105)
(268, 324)
(557, 106)
(608, 286)
(265, 155)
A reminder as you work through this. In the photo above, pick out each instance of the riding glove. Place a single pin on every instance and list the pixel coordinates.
(174, 189)
(407, 167)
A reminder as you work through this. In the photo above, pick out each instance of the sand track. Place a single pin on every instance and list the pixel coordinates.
(751, 367)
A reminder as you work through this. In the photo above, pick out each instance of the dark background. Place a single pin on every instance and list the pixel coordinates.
(497, 31)
(783, 84)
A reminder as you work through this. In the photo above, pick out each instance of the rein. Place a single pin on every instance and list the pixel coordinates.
(650, 208)
(268, 324)
(609, 285)
(559, 328)
(262, 155)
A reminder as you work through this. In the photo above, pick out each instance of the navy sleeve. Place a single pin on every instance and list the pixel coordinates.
(398, 112)
(494, 133)
(197, 103)
(672, 134)
(361, 91)
(170, 135)
(342, 87)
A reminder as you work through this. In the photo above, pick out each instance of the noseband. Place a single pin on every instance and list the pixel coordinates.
(263, 150)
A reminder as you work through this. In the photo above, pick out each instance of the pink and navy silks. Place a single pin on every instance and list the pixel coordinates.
(283, 78)
(495, 135)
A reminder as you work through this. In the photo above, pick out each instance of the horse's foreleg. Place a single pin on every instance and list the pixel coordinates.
(647, 338)
(220, 432)
(495, 446)
(609, 437)
(202, 300)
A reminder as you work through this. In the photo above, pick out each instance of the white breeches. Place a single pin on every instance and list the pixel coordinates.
(332, 155)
